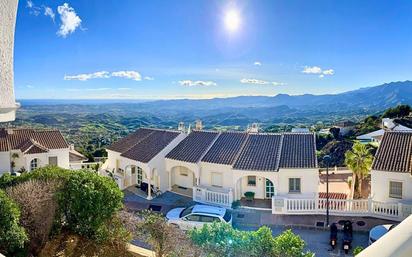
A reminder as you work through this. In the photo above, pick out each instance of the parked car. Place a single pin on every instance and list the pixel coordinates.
(197, 215)
(378, 231)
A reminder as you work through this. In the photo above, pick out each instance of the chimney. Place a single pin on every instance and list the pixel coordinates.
(254, 128)
(71, 147)
(181, 126)
(199, 125)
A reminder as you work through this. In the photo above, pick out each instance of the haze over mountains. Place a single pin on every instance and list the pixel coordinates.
(235, 111)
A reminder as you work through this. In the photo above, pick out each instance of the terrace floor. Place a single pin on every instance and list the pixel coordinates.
(257, 203)
(182, 191)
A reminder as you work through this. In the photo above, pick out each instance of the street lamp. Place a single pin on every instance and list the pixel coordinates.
(326, 160)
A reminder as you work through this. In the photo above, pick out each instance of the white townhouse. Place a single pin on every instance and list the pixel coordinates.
(139, 158)
(29, 149)
(217, 167)
(391, 175)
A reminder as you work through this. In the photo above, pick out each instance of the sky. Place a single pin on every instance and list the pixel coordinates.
(157, 49)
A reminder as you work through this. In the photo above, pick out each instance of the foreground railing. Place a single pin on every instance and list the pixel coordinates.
(213, 196)
(345, 207)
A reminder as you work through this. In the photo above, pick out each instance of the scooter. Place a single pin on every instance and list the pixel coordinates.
(347, 236)
(333, 238)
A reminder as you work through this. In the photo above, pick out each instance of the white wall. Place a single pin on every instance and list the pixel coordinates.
(4, 162)
(309, 182)
(206, 170)
(61, 154)
(380, 185)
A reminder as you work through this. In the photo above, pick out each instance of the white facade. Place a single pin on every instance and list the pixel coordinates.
(8, 106)
(24, 161)
(380, 185)
(127, 171)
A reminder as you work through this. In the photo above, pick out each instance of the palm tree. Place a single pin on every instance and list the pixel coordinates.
(359, 160)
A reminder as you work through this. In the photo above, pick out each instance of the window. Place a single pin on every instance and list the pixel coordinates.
(193, 217)
(269, 189)
(209, 219)
(294, 185)
(139, 176)
(251, 181)
(34, 164)
(217, 179)
(395, 189)
(53, 160)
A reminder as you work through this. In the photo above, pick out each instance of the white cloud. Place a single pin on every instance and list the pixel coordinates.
(49, 12)
(261, 82)
(328, 72)
(318, 70)
(124, 88)
(87, 89)
(34, 10)
(148, 78)
(312, 70)
(87, 76)
(257, 63)
(127, 74)
(70, 21)
(29, 86)
(134, 75)
(197, 83)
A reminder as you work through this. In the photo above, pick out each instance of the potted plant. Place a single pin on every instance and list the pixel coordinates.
(14, 156)
(249, 196)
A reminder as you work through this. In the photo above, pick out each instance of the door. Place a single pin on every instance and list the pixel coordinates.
(139, 178)
(269, 189)
(134, 176)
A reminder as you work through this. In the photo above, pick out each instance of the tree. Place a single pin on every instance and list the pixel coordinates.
(87, 201)
(166, 240)
(335, 132)
(38, 205)
(12, 235)
(359, 160)
(399, 111)
(288, 244)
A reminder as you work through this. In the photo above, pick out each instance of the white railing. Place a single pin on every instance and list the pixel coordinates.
(215, 196)
(344, 207)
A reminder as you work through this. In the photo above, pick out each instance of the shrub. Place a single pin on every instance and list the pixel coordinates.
(288, 244)
(12, 236)
(38, 206)
(357, 250)
(87, 201)
(166, 240)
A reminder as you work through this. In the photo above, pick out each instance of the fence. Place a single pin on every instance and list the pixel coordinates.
(212, 196)
(345, 207)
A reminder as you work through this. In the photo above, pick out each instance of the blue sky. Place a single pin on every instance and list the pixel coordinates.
(204, 48)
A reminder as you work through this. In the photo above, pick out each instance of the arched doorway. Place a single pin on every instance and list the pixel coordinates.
(182, 177)
(262, 187)
(269, 189)
(134, 175)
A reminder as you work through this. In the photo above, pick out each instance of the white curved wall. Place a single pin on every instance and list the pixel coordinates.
(8, 106)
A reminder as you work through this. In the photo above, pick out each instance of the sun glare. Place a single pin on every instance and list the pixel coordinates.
(232, 20)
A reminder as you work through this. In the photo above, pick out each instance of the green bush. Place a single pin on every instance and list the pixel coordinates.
(220, 239)
(357, 250)
(12, 235)
(250, 195)
(87, 201)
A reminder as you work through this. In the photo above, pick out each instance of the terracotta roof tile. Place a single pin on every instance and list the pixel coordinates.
(394, 153)
(150, 146)
(226, 148)
(260, 153)
(193, 147)
(298, 151)
(124, 144)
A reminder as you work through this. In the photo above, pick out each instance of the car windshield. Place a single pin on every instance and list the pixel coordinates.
(186, 211)
(228, 216)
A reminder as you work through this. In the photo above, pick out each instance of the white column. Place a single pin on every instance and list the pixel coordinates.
(149, 182)
(170, 179)
(8, 106)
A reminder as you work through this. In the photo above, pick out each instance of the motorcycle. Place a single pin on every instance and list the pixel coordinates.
(333, 238)
(347, 236)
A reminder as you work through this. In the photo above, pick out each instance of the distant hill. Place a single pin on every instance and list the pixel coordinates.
(371, 98)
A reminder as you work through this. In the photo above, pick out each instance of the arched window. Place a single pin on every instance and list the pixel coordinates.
(34, 164)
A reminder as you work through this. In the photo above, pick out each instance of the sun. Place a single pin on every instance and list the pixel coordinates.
(232, 20)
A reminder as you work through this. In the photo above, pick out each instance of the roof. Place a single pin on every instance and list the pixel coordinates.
(75, 156)
(31, 140)
(395, 152)
(246, 151)
(226, 148)
(193, 147)
(298, 151)
(144, 144)
(261, 152)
